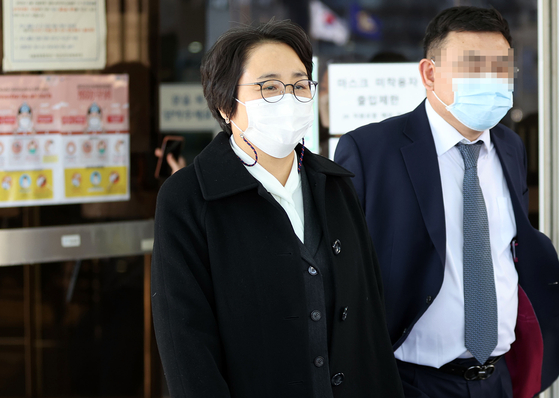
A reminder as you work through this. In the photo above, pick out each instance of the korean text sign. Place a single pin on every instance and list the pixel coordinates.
(182, 107)
(365, 93)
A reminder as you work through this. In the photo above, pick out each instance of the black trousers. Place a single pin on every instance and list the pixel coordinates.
(427, 382)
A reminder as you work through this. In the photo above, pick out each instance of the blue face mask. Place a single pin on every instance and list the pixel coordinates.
(480, 103)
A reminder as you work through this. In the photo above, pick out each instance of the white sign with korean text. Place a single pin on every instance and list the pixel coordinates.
(54, 34)
(182, 107)
(366, 93)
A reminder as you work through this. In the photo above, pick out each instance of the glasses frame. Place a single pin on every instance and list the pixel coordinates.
(261, 84)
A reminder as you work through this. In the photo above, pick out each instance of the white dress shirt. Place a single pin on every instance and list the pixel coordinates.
(290, 196)
(438, 336)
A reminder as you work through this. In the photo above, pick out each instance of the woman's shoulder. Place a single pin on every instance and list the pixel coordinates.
(183, 186)
(324, 165)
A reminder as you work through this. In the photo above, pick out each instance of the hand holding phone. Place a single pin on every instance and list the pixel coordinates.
(171, 145)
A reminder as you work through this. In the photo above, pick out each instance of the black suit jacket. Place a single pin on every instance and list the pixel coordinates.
(398, 182)
(228, 294)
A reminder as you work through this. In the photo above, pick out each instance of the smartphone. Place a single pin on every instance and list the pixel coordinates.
(171, 144)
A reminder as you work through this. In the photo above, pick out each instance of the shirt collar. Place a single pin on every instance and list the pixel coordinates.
(221, 174)
(270, 182)
(446, 136)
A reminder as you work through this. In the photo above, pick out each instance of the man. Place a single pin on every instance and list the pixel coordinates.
(471, 288)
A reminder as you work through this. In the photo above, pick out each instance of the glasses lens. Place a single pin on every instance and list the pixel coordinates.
(304, 90)
(272, 90)
(473, 65)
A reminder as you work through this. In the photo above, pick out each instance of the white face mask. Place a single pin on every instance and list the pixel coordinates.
(276, 128)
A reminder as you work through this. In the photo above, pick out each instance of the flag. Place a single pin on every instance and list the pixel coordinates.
(364, 23)
(326, 25)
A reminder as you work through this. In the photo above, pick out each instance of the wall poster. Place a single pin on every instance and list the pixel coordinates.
(63, 139)
(54, 34)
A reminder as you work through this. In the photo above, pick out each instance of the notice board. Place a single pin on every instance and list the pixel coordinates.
(54, 34)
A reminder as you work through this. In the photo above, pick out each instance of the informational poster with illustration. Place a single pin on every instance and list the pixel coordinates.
(95, 138)
(54, 35)
(63, 139)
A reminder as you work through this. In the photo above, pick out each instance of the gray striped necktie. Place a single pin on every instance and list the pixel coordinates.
(480, 299)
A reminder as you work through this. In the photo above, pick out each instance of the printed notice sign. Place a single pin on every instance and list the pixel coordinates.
(365, 93)
(182, 107)
(63, 139)
(54, 34)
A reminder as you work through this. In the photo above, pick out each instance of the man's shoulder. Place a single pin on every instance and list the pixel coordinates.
(502, 132)
(503, 129)
(380, 135)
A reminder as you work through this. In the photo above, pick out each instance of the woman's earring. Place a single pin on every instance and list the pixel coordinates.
(227, 120)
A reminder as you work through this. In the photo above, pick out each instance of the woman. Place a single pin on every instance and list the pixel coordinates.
(265, 281)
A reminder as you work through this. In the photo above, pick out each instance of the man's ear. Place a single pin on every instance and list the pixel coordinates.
(427, 72)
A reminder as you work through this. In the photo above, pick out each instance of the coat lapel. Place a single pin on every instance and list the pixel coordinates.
(220, 171)
(421, 161)
(313, 231)
(510, 165)
(317, 184)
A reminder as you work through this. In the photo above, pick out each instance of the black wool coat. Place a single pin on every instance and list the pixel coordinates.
(228, 295)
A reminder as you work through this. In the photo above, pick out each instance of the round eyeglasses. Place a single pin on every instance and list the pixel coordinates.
(274, 90)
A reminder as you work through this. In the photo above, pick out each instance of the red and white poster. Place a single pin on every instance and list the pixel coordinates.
(64, 138)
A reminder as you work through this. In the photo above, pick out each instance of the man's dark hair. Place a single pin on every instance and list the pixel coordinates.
(223, 65)
(463, 19)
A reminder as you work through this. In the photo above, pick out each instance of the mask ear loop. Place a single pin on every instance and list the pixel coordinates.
(254, 150)
(435, 94)
(227, 120)
(301, 157)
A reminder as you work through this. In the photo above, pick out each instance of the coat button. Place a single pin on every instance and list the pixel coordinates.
(344, 313)
(429, 300)
(312, 270)
(338, 379)
(316, 315)
(337, 247)
(318, 362)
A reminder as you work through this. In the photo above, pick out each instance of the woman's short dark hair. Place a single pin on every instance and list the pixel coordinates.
(223, 65)
(463, 19)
